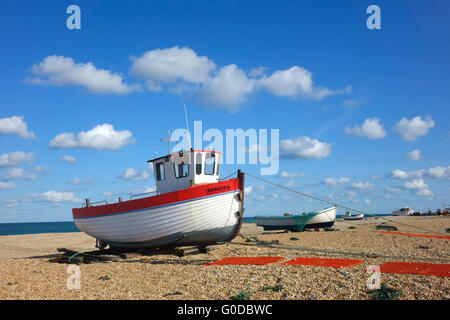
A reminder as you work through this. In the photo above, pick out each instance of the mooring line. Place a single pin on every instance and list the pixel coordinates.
(338, 205)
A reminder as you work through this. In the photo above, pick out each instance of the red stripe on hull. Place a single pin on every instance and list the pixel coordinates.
(159, 200)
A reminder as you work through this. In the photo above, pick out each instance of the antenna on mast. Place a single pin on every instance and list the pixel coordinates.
(187, 126)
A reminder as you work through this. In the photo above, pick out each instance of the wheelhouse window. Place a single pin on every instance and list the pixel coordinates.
(181, 170)
(160, 171)
(210, 163)
(198, 163)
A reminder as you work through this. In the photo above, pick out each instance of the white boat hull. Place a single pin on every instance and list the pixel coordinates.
(354, 217)
(198, 221)
(325, 219)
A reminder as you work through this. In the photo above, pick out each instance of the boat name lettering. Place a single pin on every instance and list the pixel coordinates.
(215, 189)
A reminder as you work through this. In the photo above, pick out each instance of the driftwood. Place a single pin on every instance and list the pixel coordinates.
(114, 255)
(386, 227)
(71, 256)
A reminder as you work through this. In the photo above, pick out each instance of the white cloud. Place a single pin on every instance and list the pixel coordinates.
(289, 184)
(10, 203)
(15, 158)
(6, 185)
(287, 175)
(183, 70)
(100, 137)
(367, 201)
(420, 187)
(424, 193)
(260, 187)
(305, 148)
(415, 184)
(392, 190)
(410, 130)
(351, 194)
(293, 82)
(371, 128)
(399, 174)
(334, 182)
(68, 159)
(413, 155)
(55, 196)
(171, 64)
(15, 125)
(18, 173)
(362, 185)
(230, 87)
(135, 175)
(442, 173)
(78, 181)
(63, 71)
(257, 72)
(248, 190)
(438, 173)
(143, 190)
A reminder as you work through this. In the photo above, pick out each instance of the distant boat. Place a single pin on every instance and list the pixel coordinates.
(349, 216)
(324, 219)
(405, 211)
(291, 222)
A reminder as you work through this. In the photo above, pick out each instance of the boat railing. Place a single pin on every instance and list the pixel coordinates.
(142, 194)
(84, 205)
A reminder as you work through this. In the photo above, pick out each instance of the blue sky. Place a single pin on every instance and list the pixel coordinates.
(350, 103)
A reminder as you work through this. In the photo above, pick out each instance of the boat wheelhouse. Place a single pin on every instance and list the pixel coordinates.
(405, 211)
(191, 206)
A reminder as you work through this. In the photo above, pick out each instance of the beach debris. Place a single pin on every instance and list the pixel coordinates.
(385, 293)
(74, 257)
(331, 229)
(423, 247)
(293, 238)
(176, 293)
(105, 278)
(276, 288)
(447, 230)
(386, 227)
(261, 242)
(352, 227)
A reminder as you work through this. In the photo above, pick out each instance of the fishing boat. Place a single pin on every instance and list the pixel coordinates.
(325, 218)
(405, 211)
(349, 216)
(191, 206)
(290, 222)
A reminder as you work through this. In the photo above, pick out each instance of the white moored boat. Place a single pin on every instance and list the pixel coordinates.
(349, 216)
(324, 219)
(191, 207)
(405, 211)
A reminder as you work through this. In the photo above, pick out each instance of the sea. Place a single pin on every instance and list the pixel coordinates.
(62, 227)
(37, 227)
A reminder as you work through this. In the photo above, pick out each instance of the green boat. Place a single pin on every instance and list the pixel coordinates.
(290, 222)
